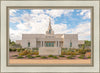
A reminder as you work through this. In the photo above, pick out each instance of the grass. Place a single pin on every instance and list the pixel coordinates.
(61, 56)
(44, 57)
(55, 57)
(19, 57)
(38, 56)
(50, 56)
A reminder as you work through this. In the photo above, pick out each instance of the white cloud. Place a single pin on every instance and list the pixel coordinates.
(26, 17)
(15, 19)
(12, 11)
(37, 11)
(37, 23)
(58, 12)
(60, 28)
(83, 30)
(22, 26)
(86, 14)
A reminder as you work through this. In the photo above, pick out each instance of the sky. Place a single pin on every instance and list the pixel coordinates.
(36, 21)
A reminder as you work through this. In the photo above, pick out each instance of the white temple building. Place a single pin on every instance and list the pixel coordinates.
(49, 40)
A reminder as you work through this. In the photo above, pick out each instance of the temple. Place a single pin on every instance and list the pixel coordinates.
(49, 40)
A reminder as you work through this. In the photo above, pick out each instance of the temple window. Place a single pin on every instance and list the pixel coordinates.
(70, 44)
(28, 44)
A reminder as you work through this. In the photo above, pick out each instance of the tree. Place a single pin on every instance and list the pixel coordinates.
(9, 41)
(87, 43)
(13, 43)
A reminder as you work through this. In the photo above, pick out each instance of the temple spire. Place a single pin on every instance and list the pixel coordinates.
(50, 31)
(50, 28)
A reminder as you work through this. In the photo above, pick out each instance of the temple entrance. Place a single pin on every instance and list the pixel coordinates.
(49, 44)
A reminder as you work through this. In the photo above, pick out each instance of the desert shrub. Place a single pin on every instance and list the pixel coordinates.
(61, 56)
(63, 52)
(55, 57)
(30, 57)
(18, 50)
(82, 51)
(81, 56)
(26, 52)
(20, 57)
(14, 49)
(38, 56)
(70, 57)
(73, 53)
(36, 53)
(22, 49)
(89, 57)
(44, 57)
(50, 55)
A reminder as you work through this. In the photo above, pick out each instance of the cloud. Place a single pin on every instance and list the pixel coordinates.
(58, 12)
(86, 14)
(12, 12)
(15, 19)
(83, 30)
(37, 22)
(59, 28)
(37, 11)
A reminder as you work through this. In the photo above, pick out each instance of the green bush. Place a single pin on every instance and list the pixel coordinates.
(10, 49)
(19, 57)
(70, 57)
(55, 57)
(14, 55)
(88, 50)
(30, 57)
(81, 56)
(89, 57)
(44, 57)
(38, 56)
(50, 55)
(82, 51)
(18, 50)
(61, 56)
(14, 49)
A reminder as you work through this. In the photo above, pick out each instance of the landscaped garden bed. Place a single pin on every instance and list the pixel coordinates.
(34, 54)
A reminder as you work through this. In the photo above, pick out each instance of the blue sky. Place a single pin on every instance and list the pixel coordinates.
(63, 21)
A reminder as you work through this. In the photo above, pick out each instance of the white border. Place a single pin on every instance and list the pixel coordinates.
(95, 4)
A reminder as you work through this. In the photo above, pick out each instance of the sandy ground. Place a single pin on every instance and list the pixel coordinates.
(44, 61)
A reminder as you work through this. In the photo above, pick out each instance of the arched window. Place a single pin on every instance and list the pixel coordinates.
(28, 44)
